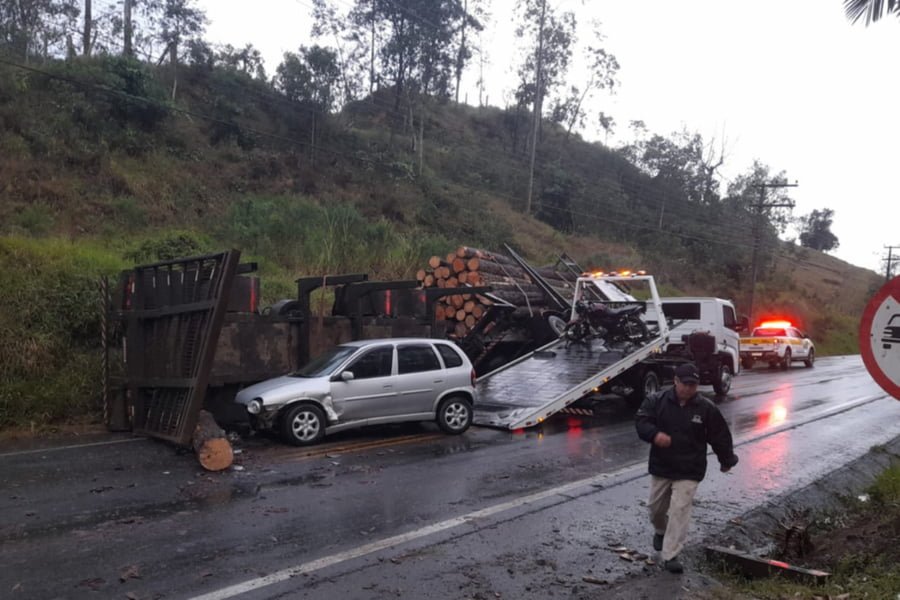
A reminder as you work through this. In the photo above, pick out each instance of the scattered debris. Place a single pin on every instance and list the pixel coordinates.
(130, 572)
(590, 579)
(752, 566)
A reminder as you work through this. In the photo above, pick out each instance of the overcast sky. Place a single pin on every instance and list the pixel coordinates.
(789, 82)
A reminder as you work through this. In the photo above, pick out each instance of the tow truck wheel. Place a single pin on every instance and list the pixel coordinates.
(454, 415)
(647, 386)
(722, 383)
(810, 359)
(786, 361)
(303, 425)
(747, 364)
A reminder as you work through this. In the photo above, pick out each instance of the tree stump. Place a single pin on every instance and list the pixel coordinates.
(212, 447)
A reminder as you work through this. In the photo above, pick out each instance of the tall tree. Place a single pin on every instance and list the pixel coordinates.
(36, 28)
(180, 22)
(545, 65)
(603, 68)
(815, 230)
(872, 10)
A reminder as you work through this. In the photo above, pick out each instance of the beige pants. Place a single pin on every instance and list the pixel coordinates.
(670, 506)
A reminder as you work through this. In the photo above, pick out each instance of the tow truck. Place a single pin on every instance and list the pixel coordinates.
(533, 387)
(779, 343)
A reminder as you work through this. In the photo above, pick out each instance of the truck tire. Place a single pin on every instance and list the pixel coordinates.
(786, 361)
(303, 425)
(747, 363)
(454, 415)
(722, 382)
(646, 385)
(810, 359)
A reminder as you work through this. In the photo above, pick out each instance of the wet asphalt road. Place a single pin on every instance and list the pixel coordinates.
(405, 511)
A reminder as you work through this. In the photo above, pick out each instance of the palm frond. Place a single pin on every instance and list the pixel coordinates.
(873, 10)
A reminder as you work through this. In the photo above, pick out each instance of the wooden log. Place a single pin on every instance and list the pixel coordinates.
(467, 252)
(473, 263)
(452, 282)
(469, 306)
(439, 312)
(456, 301)
(460, 315)
(470, 321)
(460, 330)
(528, 288)
(458, 265)
(440, 282)
(487, 266)
(434, 262)
(212, 447)
(429, 280)
(478, 311)
(420, 275)
(462, 277)
(516, 297)
(451, 257)
(474, 278)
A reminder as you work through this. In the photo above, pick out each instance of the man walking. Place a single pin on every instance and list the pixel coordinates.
(679, 423)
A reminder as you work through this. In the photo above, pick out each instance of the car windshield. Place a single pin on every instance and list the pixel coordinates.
(768, 332)
(325, 364)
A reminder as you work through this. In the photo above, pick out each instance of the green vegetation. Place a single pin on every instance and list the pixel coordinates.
(110, 161)
(857, 546)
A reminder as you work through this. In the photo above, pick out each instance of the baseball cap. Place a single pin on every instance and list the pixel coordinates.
(687, 373)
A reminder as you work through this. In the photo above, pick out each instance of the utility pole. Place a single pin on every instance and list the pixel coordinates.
(127, 31)
(761, 209)
(887, 271)
(537, 105)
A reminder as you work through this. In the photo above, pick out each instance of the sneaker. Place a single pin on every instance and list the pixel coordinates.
(673, 566)
(658, 541)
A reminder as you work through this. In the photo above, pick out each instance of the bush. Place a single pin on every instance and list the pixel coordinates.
(49, 329)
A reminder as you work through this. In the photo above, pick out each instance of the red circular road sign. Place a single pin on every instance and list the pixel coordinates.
(879, 337)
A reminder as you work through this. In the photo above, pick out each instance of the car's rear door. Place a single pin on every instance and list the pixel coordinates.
(371, 391)
(419, 378)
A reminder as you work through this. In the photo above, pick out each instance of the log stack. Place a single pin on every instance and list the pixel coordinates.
(473, 267)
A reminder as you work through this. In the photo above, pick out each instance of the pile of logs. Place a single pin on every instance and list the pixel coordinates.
(474, 267)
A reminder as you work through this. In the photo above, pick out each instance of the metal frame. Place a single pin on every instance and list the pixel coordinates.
(174, 315)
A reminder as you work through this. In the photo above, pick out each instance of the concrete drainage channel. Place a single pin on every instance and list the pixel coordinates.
(751, 533)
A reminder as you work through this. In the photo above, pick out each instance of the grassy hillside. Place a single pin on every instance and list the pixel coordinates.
(100, 170)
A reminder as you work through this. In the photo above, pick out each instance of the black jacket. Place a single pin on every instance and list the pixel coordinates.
(691, 427)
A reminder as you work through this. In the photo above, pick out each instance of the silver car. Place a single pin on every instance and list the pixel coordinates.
(367, 382)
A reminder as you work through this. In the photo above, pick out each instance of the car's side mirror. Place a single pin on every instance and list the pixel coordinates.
(344, 376)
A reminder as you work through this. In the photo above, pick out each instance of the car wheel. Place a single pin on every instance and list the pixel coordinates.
(454, 415)
(786, 361)
(722, 384)
(810, 359)
(747, 364)
(303, 425)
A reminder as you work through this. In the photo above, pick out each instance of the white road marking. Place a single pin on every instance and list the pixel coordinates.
(56, 448)
(327, 561)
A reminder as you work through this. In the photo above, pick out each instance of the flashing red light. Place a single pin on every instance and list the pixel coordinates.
(775, 324)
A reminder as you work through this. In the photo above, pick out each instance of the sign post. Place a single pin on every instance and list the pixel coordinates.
(879, 337)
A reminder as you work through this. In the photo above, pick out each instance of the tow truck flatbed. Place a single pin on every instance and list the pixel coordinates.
(524, 393)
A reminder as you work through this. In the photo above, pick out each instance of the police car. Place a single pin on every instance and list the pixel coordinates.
(778, 343)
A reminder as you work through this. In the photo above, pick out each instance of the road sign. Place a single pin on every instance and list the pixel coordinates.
(879, 337)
